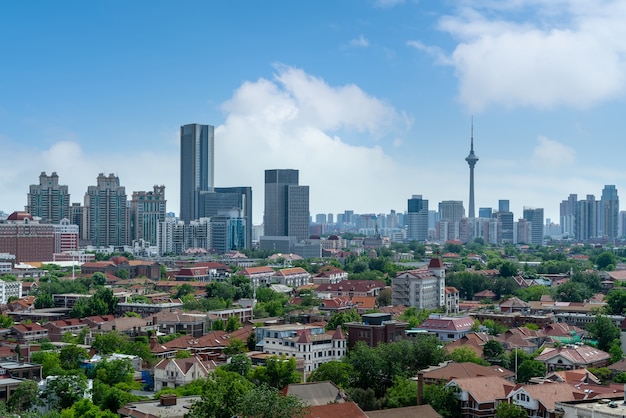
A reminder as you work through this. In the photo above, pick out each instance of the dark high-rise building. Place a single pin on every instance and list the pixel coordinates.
(286, 205)
(587, 218)
(503, 206)
(226, 199)
(609, 211)
(196, 167)
(535, 217)
(471, 159)
(485, 213)
(417, 219)
(49, 200)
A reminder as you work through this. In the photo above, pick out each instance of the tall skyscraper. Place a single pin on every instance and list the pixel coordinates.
(471, 159)
(587, 218)
(535, 217)
(567, 214)
(197, 144)
(107, 215)
(286, 205)
(610, 211)
(503, 205)
(417, 219)
(485, 213)
(49, 200)
(451, 212)
(147, 210)
(226, 199)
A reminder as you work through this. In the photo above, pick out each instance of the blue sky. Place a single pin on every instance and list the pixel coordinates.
(370, 99)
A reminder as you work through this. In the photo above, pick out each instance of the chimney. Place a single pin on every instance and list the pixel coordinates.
(168, 400)
(154, 320)
(420, 388)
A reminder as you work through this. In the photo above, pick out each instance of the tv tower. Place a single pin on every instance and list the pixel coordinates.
(471, 159)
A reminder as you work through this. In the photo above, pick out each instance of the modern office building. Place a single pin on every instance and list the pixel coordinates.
(471, 159)
(587, 218)
(535, 217)
(417, 218)
(228, 199)
(147, 210)
(485, 213)
(107, 212)
(506, 227)
(48, 200)
(197, 145)
(503, 205)
(286, 205)
(609, 203)
(567, 215)
(228, 231)
(451, 211)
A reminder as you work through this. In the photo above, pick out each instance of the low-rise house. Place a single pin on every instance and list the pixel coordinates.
(316, 393)
(172, 373)
(20, 370)
(473, 340)
(352, 288)
(177, 321)
(294, 276)
(336, 304)
(259, 276)
(330, 275)
(375, 328)
(485, 294)
(29, 332)
(452, 300)
(364, 303)
(573, 357)
(310, 343)
(480, 396)
(447, 328)
(452, 370)
(168, 406)
(337, 410)
(540, 400)
(129, 325)
(514, 304)
(56, 329)
(145, 309)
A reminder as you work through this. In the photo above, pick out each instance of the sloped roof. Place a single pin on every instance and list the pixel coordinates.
(316, 393)
(421, 411)
(485, 388)
(549, 393)
(579, 354)
(447, 324)
(336, 410)
(462, 370)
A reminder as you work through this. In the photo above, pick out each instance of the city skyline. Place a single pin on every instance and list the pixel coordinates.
(375, 96)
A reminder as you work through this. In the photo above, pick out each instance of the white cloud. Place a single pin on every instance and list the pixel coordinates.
(551, 154)
(572, 55)
(360, 42)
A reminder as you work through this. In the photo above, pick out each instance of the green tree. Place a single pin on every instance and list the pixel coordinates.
(265, 402)
(24, 397)
(606, 259)
(384, 297)
(278, 372)
(338, 372)
(100, 279)
(402, 393)
(235, 346)
(232, 324)
(604, 331)
(71, 356)
(240, 364)
(510, 410)
(339, 319)
(64, 390)
(443, 399)
(6, 321)
(50, 362)
(217, 325)
(529, 369)
(112, 372)
(184, 290)
(221, 395)
(616, 351)
(414, 316)
(122, 274)
(494, 328)
(465, 354)
(84, 408)
(615, 302)
(44, 300)
(493, 350)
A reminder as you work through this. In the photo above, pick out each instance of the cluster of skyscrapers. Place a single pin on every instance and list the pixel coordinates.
(220, 218)
(589, 219)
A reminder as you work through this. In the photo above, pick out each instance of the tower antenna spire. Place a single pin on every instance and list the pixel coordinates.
(472, 136)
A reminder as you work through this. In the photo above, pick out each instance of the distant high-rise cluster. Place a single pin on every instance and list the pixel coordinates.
(590, 219)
